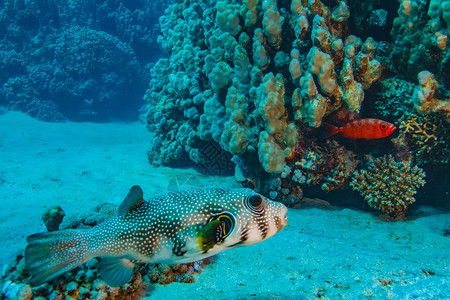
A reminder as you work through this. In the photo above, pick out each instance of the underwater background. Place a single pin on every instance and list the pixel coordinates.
(338, 109)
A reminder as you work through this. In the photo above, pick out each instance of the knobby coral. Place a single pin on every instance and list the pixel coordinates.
(389, 186)
(424, 97)
(252, 73)
(420, 39)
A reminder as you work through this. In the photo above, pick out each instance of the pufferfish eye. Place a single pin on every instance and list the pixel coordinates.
(255, 203)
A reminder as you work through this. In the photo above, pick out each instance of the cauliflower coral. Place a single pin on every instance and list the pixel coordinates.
(389, 186)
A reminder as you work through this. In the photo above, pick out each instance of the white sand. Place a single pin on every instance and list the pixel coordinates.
(334, 253)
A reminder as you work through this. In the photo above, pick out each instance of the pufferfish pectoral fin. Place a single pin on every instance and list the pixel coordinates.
(215, 231)
(116, 271)
(134, 198)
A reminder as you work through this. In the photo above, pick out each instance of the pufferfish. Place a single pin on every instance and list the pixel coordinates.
(179, 227)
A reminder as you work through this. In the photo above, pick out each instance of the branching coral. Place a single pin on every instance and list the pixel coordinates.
(421, 115)
(394, 98)
(389, 186)
(428, 137)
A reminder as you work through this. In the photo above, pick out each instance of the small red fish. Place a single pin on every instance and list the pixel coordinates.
(368, 129)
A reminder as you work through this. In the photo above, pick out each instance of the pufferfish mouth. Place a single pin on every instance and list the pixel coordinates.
(281, 222)
(284, 221)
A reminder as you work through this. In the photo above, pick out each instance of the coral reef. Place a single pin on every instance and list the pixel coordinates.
(251, 74)
(77, 60)
(81, 283)
(20, 291)
(394, 98)
(328, 165)
(422, 116)
(256, 78)
(372, 18)
(419, 37)
(427, 137)
(425, 98)
(389, 186)
(166, 274)
(84, 282)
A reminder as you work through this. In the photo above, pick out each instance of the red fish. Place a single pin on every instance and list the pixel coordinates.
(368, 129)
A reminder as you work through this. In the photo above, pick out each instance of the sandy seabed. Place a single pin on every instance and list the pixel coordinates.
(328, 254)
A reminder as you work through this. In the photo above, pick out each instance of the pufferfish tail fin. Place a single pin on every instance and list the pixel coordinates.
(52, 253)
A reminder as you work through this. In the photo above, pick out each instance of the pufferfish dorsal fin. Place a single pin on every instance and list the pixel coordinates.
(134, 198)
(215, 231)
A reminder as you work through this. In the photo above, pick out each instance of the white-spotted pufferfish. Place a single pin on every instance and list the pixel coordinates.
(176, 228)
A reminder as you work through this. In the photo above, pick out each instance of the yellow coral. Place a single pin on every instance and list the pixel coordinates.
(389, 186)
(427, 137)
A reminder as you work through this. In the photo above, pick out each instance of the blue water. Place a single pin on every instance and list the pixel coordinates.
(96, 97)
